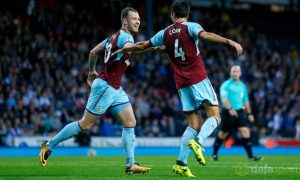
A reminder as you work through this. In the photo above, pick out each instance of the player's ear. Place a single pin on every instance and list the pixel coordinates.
(125, 21)
(173, 14)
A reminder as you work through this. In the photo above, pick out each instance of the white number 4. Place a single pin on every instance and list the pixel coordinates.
(178, 52)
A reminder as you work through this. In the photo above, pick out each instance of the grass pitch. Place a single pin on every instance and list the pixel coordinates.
(111, 167)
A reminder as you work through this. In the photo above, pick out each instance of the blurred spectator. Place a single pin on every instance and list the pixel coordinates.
(275, 124)
(3, 132)
(107, 127)
(297, 124)
(44, 63)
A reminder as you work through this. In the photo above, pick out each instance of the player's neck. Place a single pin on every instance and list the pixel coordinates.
(180, 20)
(126, 30)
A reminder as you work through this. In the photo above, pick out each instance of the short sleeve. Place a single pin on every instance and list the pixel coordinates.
(194, 29)
(104, 42)
(124, 38)
(158, 38)
(223, 91)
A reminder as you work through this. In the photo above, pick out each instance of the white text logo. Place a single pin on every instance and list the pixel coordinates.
(173, 31)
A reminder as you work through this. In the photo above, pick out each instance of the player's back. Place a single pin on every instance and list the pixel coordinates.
(181, 41)
(115, 66)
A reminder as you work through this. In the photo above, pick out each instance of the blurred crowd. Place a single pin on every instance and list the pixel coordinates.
(44, 64)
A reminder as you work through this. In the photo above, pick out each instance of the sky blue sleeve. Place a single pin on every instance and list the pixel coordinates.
(194, 29)
(104, 42)
(158, 38)
(245, 98)
(223, 91)
(124, 38)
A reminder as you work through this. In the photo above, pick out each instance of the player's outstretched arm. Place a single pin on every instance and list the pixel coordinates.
(156, 49)
(133, 48)
(208, 36)
(94, 53)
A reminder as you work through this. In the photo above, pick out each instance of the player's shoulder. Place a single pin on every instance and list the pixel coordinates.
(124, 37)
(125, 34)
(188, 23)
(162, 32)
(191, 24)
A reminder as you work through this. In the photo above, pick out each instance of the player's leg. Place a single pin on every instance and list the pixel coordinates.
(210, 123)
(72, 129)
(206, 129)
(206, 98)
(246, 142)
(123, 111)
(101, 97)
(67, 132)
(127, 119)
(190, 133)
(194, 121)
(225, 127)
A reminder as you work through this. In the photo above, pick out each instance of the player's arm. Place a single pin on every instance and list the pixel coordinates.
(247, 105)
(208, 36)
(133, 48)
(93, 57)
(156, 48)
(155, 43)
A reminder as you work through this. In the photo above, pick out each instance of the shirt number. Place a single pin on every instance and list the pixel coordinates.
(178, 52)
(107, 52)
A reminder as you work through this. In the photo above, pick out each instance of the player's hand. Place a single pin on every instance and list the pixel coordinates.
(116, 52)
(91, 77)
(237, 46)
(160, 48)
(233, 113)
(251, 117)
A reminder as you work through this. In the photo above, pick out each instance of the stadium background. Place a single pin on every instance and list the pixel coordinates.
(44, 63)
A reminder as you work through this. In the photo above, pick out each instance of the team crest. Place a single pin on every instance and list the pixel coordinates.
(127, 62)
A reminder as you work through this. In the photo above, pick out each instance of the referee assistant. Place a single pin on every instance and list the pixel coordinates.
(235, 112)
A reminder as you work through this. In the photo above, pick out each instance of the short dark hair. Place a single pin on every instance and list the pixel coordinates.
(181, 9)
(125, 11)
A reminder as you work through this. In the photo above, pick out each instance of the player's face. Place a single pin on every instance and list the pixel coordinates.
(133, 20)
(235, 72)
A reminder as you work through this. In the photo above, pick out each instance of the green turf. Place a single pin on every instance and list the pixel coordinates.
(229, 167)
